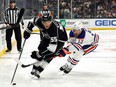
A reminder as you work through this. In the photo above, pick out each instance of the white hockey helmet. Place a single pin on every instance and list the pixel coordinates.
(77, 26)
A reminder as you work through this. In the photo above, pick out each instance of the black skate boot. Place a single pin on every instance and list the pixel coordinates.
(63, 67)
(67, 70)
(33, 72)
(37, 75)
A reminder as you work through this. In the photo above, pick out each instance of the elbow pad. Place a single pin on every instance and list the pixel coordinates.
(30, 26)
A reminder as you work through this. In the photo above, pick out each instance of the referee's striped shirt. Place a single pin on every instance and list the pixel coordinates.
(11, 15)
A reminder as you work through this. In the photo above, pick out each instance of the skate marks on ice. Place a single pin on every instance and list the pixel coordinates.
(89, 73)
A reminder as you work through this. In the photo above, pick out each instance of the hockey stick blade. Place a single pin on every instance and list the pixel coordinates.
(20, 63)
(24, 66)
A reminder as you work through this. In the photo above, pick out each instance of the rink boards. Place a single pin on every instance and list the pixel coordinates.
(93, 24)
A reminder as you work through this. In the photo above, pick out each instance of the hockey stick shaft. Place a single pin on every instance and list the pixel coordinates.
(5, 27)
(23, 65)
(9, 26)
(17, 63)
(36, 33)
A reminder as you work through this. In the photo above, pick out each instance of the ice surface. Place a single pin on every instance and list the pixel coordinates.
(97, 69)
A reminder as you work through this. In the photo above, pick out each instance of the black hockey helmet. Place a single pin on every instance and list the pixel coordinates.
(12, 1)
(44, 4)
(46, 16)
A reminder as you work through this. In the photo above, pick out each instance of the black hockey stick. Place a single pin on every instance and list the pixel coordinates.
(17, 63)
(5, 27)
(20, 15)
(36, 33)
(24, 66)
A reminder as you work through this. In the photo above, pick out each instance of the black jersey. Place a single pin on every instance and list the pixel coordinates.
(56, 31)
(56, 34)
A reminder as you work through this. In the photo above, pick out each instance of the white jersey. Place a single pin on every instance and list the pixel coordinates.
(80, 45)
(86, 37)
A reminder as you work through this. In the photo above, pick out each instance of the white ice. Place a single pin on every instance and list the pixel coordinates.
(97, 69)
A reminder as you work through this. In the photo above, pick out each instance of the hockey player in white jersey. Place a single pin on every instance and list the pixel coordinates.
(81, 42)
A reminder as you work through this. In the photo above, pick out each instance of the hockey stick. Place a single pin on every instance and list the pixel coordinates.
(36, 33)
(17, 63)
(23, 65)
(5, 27)
(20, 15)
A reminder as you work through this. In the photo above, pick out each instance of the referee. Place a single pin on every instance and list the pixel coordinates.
(10, 18)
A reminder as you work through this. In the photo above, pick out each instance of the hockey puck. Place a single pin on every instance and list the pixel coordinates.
(13, 83)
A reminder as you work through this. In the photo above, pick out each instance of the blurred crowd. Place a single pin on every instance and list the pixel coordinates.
(84, 8)
(88, 9)
(94, 8)
(67, 9)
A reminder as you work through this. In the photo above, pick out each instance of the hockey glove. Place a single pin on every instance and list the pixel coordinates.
(36, 55)
(63, 52)
(26, 34)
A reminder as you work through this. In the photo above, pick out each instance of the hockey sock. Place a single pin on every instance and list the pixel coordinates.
(42, 65)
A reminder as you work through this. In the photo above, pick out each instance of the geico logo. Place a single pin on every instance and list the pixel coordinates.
(105, 22)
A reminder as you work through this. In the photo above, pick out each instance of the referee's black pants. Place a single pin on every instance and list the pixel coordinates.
(17, 32)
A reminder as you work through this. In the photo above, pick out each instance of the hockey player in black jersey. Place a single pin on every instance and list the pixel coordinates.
(45, 9)
(54, 37)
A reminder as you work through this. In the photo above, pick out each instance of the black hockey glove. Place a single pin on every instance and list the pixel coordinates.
(28, 31)
(26, 34)
(36, 55)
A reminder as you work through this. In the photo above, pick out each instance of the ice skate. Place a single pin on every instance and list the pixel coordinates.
(35, 75)
(63, 67)
(67, 70)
